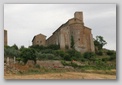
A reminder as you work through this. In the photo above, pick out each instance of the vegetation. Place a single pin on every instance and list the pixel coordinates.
(99, 42)
(28, 54)
(102, 59)
(72, 42)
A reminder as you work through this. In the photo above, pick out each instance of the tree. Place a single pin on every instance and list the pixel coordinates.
(21, 48)
(14, 46)
(28, 54)
(72, 42)
(99, 42)
(11, 51)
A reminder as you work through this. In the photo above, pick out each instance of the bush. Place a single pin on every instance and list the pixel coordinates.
(112, 54)
(83, 59)
(47, 51)
(37, 66)
(105, 59)
(38, 47)
(109, 52)
(33, 71)
(74, 65)
(67, 57)
(11, 52)
(53, 47)
(74, 55)
(112, 57)
(60, 53)
(100, 52)
(45, 56)
(65, 63)
(88, 55)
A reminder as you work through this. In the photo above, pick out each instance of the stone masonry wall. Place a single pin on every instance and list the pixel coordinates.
(39, 40)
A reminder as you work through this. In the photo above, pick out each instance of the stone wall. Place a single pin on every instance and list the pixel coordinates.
(49, 63)
(39, 40)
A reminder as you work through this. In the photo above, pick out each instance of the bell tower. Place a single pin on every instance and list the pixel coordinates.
(79, 15)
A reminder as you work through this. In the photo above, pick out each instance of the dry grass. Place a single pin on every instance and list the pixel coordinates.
(67, 75)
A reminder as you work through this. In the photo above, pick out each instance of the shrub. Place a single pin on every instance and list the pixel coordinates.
(64, 63)
(67, 57)
(60, 53)
(73, 54)
(100, 52)
(37, 66)
(45, 56)
(112, 57)
(110, 52)
(38, 47)
(33, 71)
(74, 65)
(47, 51)
(53, 47)
(11, 52)
(83, 59)
(88, 55)
(105, 59)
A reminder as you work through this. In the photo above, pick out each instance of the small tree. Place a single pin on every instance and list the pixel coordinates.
(99, 42)
(11, 51)
(15, 46)
(21, 48)
(28, 54)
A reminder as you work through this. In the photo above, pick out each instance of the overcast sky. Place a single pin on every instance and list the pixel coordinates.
(23, 21)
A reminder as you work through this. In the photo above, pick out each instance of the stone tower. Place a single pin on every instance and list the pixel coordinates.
(5, 37)
(79, 15)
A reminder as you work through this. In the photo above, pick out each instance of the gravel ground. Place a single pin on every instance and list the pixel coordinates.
(66, 75)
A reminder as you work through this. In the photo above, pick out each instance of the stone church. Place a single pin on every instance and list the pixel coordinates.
(75, 28)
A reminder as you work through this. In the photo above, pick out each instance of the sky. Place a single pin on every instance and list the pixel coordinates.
(24, 21)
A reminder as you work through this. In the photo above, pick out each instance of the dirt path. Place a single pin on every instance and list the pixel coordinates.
(67, 75)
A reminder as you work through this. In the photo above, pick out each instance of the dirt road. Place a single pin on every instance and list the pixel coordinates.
(67, 75)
